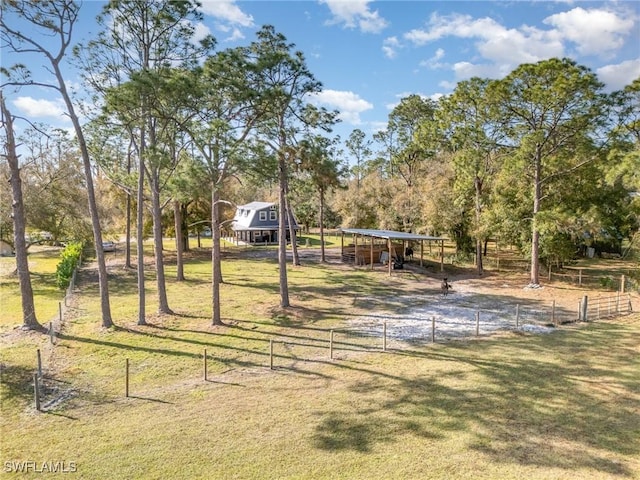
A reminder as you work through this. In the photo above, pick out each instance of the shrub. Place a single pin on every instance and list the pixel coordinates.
(607, 282)
(69, 258)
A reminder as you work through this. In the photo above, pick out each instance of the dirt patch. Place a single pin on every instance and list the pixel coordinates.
(496, 302)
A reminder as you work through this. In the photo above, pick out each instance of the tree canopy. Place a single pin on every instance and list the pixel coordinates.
(543, 159)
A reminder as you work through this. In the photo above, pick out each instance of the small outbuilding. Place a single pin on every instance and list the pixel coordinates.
(257, 222)
(389, 247)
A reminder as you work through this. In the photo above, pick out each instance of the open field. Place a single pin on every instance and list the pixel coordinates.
(42, 265)
(513, 405)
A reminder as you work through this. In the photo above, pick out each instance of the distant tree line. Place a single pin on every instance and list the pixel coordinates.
(543, 159)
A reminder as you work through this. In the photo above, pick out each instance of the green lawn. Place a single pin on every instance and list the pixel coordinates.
(563, 405)
(42, 265)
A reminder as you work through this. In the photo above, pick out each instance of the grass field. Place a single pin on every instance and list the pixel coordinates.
(559, 406)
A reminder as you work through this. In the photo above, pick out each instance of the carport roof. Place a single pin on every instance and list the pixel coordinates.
(390, 234)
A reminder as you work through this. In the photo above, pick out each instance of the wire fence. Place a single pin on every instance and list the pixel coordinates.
(385, 333)
(55, 324)
(577, 276)
(608, 306)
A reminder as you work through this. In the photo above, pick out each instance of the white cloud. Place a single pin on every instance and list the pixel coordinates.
(465, 70)
(390, 47)
(349, 104)
(434, 62)
(235, 35)
(447, 84)
(494, 41)
(616, 77)
(595, 31)
(228, 11)
(355, 14)
(527, 45)
(32, 107)
(200, 31)
(500, 49)
(457, 25)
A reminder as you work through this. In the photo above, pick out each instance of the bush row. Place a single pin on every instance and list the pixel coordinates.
(69, 259)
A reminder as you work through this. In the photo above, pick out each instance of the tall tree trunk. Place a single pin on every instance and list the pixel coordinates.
(140, 236)
(292, 233)
(127, 235)
(103, 279)
(185, 227)
(127, 249)
(535, 234)
(478, 185)
(216, 270)
(29, 320)
(323, 258)
(282, 231)
(156, 213)
(177, 218)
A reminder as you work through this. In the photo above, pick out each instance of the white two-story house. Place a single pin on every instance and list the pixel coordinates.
(257, 222)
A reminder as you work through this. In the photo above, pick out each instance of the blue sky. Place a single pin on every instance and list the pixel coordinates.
(369, 54)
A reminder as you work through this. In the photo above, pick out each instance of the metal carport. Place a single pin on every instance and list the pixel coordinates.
(389, 236)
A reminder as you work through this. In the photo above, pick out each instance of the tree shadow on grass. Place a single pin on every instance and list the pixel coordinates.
(124, 346)
(247, 357)
(546, 409)
(149, 399)
(16, 381)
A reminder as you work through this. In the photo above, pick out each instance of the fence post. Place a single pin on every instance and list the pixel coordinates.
(622, 282)
(36, 391)
(433, 329)
(331, 344)
(553, 313)
(39, 363)
(585, 308)
(384, 337)
(549, 271)
(517, 316)
(204, 361)
(126, 378)
(579, 309)
(580, 276)
(60, 311)
(51, 332)
(477, 324)
(271, 354)
(629, 299)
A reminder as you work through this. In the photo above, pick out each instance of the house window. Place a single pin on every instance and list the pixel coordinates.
(246, 213)
(273, 215)
(263, 216)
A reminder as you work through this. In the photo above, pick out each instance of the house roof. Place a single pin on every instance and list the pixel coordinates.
(248, 218)
(389, 234)
(256, 205)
